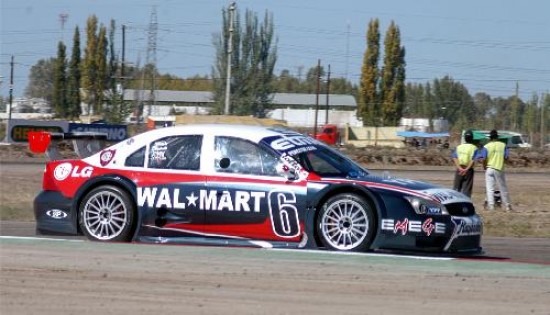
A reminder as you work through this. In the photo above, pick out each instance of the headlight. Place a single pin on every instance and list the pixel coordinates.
(423, 206)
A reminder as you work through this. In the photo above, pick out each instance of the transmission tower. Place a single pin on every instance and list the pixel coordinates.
(62, 20)
(151, 56)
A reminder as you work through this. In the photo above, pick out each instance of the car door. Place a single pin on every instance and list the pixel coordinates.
(167, 192)
(247, 196)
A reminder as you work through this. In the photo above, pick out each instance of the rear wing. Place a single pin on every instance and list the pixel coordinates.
(84, 144)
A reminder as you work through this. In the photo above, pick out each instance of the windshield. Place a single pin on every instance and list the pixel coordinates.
(327, 162)
(315, 156)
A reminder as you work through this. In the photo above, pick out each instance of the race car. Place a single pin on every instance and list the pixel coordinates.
(256, 186)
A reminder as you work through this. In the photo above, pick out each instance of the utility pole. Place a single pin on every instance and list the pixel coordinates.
(151, 57)
(229, 53)
(121, 107)
(10, 101)
(328, 92)
(541, 101)
(317, 98)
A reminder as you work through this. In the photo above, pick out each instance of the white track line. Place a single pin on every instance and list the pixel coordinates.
(38, 238)
(362, 254)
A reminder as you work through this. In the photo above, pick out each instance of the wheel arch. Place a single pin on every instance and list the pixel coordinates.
(362, 191)
(111, 180)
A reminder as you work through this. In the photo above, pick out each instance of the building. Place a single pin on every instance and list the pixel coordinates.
(296, 109)
(424, 124)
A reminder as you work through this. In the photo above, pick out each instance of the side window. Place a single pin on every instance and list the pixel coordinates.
(178, 153)
(244, 157)
(136, 159)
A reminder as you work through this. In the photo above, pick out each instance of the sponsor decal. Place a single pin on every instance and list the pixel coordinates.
(63, 170)
(158, 150)
(113, 132)
(467, 226)
(19, 133)
(447, 195)
(406, 226)
(400, 181)
(56, 214)
(283, 212)
(281, 203)
(130, 141)
(207, 200)
(291, 145)
(291, 163)
(428, 226)
(106, 156)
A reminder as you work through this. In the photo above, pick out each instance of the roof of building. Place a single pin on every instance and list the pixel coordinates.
(311, 99)
(286, 99)
(170, 96)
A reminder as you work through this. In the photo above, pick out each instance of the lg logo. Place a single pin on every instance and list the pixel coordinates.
(63, 170)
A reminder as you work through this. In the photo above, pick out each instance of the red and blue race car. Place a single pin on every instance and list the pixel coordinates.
(247, 186)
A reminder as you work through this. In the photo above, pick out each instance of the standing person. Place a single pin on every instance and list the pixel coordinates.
(464, 158)
(494, 154)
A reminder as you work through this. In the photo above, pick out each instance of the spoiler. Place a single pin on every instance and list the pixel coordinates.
(84, 144)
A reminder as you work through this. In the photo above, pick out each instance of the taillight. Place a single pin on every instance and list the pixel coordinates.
(48, 182)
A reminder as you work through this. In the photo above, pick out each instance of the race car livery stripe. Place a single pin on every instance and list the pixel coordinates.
(381, 186)
(190, 231)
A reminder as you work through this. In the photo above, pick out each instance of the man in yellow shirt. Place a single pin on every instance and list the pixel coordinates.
(464, 158)
(494, 154)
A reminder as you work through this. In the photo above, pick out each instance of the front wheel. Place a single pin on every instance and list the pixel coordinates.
(346, 222)
(107, 214)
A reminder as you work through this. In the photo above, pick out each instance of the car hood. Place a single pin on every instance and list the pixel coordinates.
(413, 187)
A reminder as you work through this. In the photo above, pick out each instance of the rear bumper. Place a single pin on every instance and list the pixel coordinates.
(54, 214)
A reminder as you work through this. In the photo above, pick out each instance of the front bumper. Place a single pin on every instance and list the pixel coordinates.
(466, 234)
(54, 214)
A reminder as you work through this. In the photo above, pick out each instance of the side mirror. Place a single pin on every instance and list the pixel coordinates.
(224, 163)
(287, 172)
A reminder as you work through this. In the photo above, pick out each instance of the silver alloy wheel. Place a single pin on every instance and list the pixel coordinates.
(345, 224)
(105, 215)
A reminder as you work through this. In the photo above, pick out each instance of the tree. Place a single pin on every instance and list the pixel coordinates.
(253, 59)
(41, 78)
(73, 79)
(117, 108)
(530, 117)
(392, 80)
(368, 94)
(454, 103)
(286, 83)
(484, 108)
(103, 80)
(60, 82)
(90, 68)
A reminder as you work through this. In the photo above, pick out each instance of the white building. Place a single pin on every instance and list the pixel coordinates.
(297, 109)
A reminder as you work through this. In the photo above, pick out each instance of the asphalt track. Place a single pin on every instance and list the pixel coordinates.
(527, 250)
(75, 276)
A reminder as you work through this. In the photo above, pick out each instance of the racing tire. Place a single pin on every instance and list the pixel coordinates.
(346, 222)
(107, 214)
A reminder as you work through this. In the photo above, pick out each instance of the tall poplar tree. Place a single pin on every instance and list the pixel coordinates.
(73, 84)
(60, 82)
(253, 58)
(90, 67)
(368, 108)
(102, 69)
(392, 81)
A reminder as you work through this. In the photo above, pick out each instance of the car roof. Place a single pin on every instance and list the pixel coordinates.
(251, 132)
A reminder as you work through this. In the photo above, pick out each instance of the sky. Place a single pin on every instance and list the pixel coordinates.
(487, 45)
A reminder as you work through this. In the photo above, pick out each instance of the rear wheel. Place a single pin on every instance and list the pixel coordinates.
(346, 222)
(107, 214)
